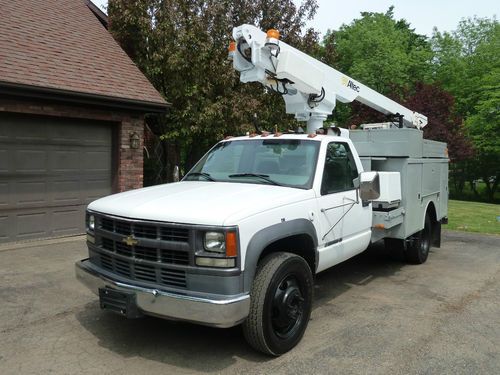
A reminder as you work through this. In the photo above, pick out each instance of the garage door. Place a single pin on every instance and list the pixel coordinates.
(50, 169)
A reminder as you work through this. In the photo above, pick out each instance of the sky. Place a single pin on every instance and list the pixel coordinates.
(423, 15)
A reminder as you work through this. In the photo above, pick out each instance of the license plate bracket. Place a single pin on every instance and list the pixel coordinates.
(119, 302)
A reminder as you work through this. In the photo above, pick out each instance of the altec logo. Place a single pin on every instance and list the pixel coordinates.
(347, 82)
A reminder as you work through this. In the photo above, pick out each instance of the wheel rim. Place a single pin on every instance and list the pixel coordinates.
(287, 307)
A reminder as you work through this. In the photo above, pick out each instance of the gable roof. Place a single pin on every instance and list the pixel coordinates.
(62, 46)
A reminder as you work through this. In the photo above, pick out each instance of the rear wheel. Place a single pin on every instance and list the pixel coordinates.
(280, 306)
(417, 250)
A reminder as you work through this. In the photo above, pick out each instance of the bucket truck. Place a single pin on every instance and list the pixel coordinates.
(240, 238)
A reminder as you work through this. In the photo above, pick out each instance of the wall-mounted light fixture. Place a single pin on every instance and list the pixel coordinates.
(135, 141)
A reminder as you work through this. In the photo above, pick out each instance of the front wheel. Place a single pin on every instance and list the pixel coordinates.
(419, 245)
(281, 302)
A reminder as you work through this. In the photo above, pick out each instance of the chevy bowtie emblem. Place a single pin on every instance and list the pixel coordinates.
(131, 241)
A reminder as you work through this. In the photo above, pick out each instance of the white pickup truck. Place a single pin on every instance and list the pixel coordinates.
(241, 237)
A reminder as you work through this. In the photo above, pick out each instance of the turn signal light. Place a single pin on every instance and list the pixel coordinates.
(231, 244)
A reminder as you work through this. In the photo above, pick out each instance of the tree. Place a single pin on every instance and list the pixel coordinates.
(461, 59)
(443, 124)
(381, 52)
(468, 64)
(181, 46)
(484, 129)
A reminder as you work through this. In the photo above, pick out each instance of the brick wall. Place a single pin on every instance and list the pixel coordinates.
(128, 162)
(130, 170)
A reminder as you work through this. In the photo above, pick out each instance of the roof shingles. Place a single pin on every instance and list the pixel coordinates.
(60, 44)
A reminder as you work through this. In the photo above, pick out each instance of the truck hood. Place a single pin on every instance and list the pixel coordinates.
(199, 202)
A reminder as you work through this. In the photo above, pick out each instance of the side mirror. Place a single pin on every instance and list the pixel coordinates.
(369, 186)
(176, 174)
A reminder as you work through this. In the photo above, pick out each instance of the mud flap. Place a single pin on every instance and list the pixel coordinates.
(436, 234)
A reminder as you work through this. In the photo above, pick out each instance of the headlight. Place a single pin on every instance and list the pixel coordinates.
(215, 242)
(91, 222)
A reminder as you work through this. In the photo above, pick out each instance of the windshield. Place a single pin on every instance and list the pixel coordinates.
(284, 162)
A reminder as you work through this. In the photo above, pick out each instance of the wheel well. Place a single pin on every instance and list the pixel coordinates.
(431, 210)
(300, 244)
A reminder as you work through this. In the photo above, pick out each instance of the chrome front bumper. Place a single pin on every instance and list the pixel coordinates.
(225, 312)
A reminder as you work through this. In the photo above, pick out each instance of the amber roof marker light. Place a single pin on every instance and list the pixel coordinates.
(272, 41)
(231, 50)
(273, 33)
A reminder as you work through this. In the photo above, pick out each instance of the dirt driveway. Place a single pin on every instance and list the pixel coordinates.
(372, 314)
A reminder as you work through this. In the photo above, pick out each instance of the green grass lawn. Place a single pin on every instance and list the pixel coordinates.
(473, 217)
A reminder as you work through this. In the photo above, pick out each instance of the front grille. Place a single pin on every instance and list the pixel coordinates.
(153, 254)
(123, 228)
(145, 273)
(174, 234)
(147, 253)
(106, 262)
(174, 277)
(122, 267)
(108, 244)
(174, 257)
(123, 249)
(159, 246)
(141, 272)
(107, 224)
(145, 230)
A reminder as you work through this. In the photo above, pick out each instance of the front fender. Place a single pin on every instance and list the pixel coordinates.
(267, 236)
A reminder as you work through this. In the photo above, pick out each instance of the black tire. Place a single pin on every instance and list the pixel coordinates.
(419, 245)
(280, 303)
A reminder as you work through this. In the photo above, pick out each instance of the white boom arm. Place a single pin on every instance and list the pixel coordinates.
(309, 87)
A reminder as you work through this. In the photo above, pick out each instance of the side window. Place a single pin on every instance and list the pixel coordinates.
(340, 169)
